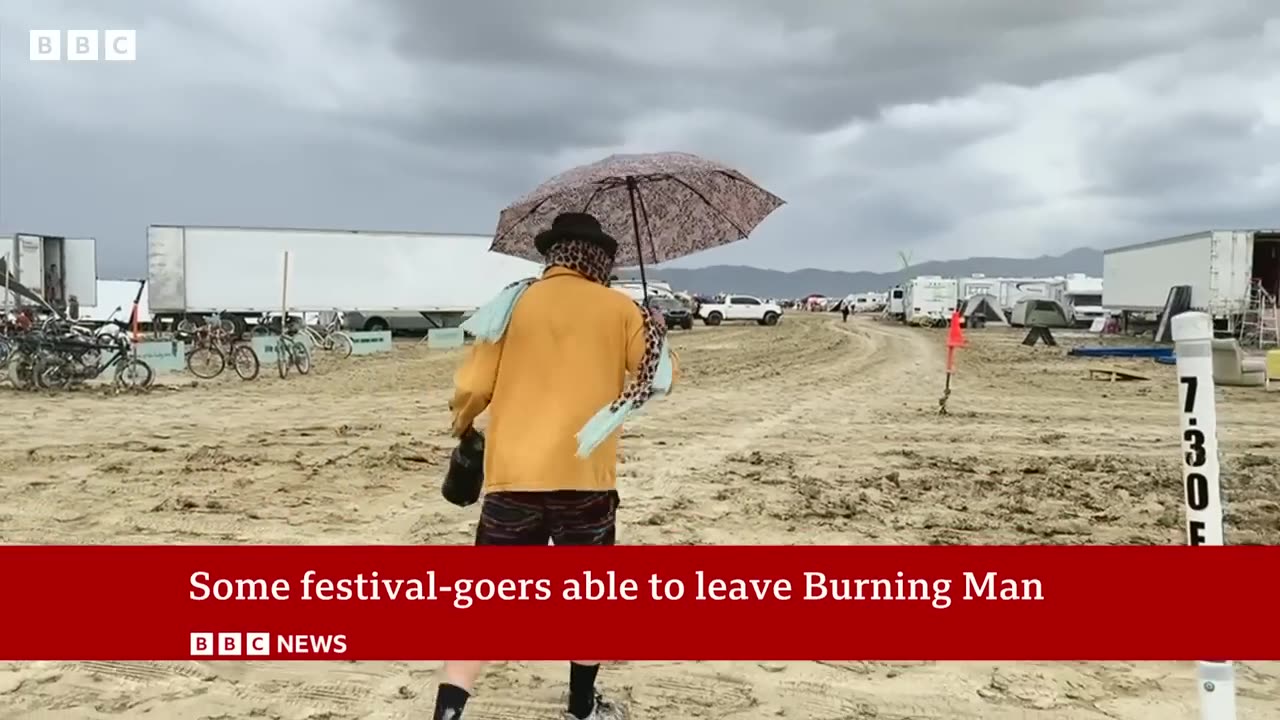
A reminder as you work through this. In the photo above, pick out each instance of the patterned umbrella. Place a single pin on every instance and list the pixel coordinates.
(659, 206)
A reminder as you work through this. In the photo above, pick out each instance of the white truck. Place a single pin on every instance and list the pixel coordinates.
(929, 300)
(380, 280)
(1219, 266)
(54, 267)
(740, 307)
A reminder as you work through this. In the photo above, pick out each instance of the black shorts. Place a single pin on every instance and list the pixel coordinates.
(563, 517)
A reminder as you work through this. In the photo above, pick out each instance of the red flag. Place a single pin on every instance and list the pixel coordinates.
(955, 339)
(955, 336)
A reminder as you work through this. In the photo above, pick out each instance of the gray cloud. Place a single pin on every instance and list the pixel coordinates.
(985, 127)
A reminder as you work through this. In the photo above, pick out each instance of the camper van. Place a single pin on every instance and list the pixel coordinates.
(1083, 298)
(894, 307)
(929, 299)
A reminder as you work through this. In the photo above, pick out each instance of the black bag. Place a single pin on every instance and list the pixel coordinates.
(465, 478)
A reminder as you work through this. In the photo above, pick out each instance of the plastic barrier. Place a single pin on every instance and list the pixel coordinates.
(1202, 489)
(163, 355)
(368, 342)
(265, 347)
(1130, 352)
(441, 338)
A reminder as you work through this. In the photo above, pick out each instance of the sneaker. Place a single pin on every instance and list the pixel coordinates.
(603, 710)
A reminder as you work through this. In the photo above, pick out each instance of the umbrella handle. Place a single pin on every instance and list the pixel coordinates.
(633, 191)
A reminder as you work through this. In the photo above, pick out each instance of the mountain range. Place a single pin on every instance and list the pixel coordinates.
(835, 283)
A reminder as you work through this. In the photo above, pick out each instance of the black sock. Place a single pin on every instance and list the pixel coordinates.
(582, 689)
(450, 700)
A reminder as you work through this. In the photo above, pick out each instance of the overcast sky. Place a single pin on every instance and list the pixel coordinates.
(943, 127)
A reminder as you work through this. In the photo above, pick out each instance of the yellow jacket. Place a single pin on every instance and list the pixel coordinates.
(567, 352)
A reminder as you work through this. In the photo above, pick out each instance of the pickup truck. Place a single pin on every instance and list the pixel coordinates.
(740, 307)
(674, 312)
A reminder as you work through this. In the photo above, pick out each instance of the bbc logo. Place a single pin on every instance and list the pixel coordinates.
(230, 644)
(82, 45)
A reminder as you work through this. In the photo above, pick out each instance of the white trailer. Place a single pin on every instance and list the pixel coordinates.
(975, 285)
(929, 299)
(1011, 291)
(1218, 265)
(238, 273)
(54, 267)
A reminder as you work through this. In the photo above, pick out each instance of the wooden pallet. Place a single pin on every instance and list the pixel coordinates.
(1115, 374)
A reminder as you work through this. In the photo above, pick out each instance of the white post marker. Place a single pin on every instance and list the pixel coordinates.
(284, 292)
(1202, 490)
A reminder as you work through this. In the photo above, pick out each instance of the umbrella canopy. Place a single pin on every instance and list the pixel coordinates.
(659, 206)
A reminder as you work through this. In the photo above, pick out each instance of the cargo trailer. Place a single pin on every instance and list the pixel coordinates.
(54, 267)
(1219, 266)
(381, 280)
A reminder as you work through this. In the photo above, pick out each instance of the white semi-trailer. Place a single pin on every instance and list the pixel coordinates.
(387, 280)
(54, 267)
(1219, 266)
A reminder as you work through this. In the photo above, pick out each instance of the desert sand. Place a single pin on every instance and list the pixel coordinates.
(810, 432)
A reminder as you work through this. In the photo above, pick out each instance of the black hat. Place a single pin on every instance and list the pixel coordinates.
(575, 226)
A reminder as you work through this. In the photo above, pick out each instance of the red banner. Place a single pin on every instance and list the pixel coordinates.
(638, 603)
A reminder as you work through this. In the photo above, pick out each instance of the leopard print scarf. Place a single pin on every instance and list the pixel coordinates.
(592, 262)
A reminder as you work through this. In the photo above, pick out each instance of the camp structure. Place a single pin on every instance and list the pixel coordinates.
(981, 309)
(1034, 312)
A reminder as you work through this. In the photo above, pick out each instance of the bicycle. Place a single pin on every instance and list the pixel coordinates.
(189, 325)
(63, 363)
(291, 351)
(331, 337)
(209, 348)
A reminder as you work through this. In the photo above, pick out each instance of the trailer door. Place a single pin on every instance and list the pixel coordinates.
(80, 270)
(31, 262)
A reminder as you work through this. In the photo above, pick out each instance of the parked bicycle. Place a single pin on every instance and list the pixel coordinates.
(290, 351)
(211, 346)
(330, 337)
(60, 362)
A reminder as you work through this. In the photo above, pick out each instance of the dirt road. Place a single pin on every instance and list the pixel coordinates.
(811, 432)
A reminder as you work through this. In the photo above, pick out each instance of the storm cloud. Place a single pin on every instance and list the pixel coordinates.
(989, 127)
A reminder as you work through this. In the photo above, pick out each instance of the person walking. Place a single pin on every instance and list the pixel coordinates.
(844, 311)
(567, 350)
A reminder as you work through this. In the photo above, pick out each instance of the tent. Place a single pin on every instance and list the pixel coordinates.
(1039, 313)
(984, 309)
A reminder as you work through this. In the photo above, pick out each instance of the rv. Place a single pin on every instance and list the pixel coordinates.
(894, 308)
(929, 299)
(1083, 298)
(977, 284)
(1014, 290)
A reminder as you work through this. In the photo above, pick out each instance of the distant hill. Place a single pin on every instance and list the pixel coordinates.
(799, 283)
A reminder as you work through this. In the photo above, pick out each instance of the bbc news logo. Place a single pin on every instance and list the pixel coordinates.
(83, 45)
(207, 644)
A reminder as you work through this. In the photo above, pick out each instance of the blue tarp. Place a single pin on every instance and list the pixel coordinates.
(1129, 352)
(1167, 360)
